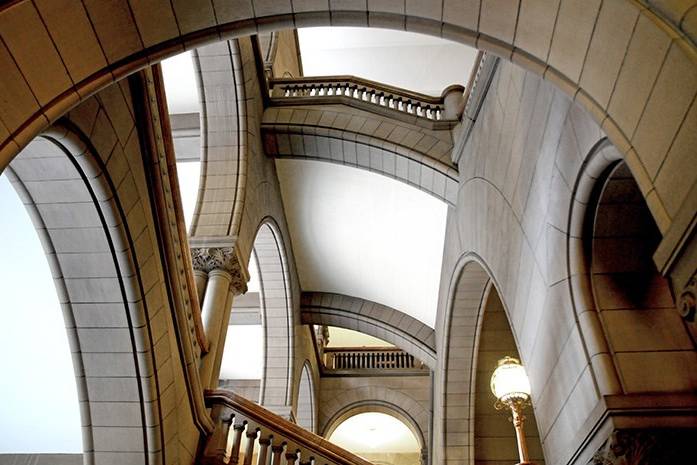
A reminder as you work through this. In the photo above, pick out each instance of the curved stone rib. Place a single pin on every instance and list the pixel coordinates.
(393, 326)
(344, 135)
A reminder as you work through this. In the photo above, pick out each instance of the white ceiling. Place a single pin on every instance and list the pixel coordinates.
(365, 235)
(180, 84)
(374, 432)
(341, 337)
(417, 62)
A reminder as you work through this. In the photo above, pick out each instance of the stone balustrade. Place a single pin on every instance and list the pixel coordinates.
(369, 358)
(369, 95)
(248, 434)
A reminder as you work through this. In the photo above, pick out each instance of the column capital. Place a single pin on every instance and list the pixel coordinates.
(208, 259)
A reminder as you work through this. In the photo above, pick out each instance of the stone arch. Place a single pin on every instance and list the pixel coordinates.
(380, 321)
(467, 293)
(379, 406)
(609, 215)
(423, 162)
(492, 434)
(223, 177)
(81, 213)
(276, 316)
(634, 306)
(306, 411)
(567, 45)
(343, 405)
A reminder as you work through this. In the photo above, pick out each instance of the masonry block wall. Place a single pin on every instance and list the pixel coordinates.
(517, 174)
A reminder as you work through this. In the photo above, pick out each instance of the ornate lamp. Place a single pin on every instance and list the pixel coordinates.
(510, 385)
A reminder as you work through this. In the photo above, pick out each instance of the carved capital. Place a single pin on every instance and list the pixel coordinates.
(207, 259)
(687, 305)
(646, 446)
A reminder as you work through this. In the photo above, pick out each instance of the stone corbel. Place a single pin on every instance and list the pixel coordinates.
(207, 259)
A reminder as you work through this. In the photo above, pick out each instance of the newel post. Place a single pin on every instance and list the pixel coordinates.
(215, 450)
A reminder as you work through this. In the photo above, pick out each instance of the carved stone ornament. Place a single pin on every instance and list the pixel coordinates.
(207, 259)
(688, 301)
(647, 447)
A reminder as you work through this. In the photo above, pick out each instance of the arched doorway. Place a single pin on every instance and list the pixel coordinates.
(494, 435)
(379, 434)
(634, 302)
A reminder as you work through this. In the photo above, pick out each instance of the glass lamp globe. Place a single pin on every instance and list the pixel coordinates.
(509, 381)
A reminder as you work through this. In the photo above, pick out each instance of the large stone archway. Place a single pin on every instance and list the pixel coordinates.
(55, 56)
(107, 281)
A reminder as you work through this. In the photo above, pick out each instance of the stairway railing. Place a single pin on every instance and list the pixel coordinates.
(248, 434)
(370, 95)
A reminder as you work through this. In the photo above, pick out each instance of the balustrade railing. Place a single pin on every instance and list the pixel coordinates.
(248, 434)
(369, 358)
(350, 89)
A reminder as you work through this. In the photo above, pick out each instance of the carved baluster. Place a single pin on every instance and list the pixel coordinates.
(236, 442)
(249, 448)
(264, 457)
(411, 361)
(291, 458)
(277, 451)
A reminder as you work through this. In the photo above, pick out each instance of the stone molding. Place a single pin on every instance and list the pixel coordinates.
(207, 259)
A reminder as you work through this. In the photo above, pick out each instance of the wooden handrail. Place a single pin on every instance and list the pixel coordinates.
(232, 411)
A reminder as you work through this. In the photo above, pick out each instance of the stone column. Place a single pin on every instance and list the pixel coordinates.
(200, 278)
(226, 279)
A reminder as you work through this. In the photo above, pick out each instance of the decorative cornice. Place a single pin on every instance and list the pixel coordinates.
(207, 259)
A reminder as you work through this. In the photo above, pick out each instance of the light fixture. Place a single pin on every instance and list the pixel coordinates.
(510, 385)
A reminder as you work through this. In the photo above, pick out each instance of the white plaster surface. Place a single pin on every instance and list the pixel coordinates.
(364, 235)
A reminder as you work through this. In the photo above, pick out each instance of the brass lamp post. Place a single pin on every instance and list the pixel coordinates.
(510, 385)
